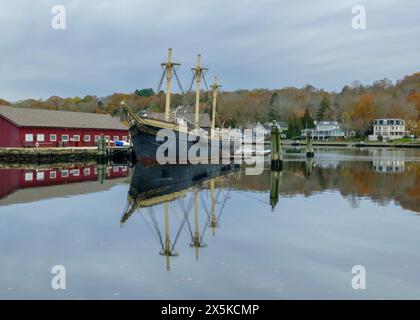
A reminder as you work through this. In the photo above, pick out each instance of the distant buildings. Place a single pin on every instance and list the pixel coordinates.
(388, 129)
(264, 130)
(325, 130)
(24, 127)
(283, 129)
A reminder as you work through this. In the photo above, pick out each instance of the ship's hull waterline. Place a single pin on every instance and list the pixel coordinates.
(146, 145)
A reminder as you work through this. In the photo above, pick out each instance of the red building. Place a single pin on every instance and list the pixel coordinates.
(22, 127)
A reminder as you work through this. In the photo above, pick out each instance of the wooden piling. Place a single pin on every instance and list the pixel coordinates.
(276, 152)
(309, 147)
(102, 152)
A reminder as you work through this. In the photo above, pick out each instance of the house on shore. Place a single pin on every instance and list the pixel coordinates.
(325, 130)
(388, 129)
(24, 127)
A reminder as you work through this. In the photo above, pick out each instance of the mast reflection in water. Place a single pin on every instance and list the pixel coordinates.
(178, 185)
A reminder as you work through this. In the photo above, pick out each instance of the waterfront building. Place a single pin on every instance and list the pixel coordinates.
(325, 130)
(388, 129)
(24, 127)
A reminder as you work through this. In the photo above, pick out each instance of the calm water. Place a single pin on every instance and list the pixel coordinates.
(291, 235)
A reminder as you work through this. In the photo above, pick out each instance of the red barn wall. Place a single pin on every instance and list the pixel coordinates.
(59, 132)
(9, 134)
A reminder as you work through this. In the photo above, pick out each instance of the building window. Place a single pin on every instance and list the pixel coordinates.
(40, 176)
(53, 174)
(124, 168)
(64, 173)
(97, 138)
(29, 137)
(65, 137)
(29, 176)
(86, 171)
(40, 137)
(76, 137)
(75, 172)
(116, 138)
(53, 137)
(107, 138)
(86, 138)
(124, 138)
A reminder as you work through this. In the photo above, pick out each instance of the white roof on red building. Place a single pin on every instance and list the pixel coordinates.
(26, 117)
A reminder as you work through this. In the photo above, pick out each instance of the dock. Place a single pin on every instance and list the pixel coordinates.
(64, 155)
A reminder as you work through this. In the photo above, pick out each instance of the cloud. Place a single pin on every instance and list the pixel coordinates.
(117, 46)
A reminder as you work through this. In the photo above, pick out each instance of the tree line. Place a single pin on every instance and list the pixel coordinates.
(355, 106)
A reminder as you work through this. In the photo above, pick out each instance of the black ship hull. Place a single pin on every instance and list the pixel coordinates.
(146, 147)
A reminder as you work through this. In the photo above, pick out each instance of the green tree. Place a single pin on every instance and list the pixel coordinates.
(294, 127)
(307, 121)
(148, 92)
(274, 107)
(323, 106)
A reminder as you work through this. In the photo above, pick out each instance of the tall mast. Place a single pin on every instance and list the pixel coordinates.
(215, 92)
(169, 65)
(198, 70)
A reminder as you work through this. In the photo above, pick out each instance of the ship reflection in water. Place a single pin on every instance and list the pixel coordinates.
(153, 185)
(219, 232)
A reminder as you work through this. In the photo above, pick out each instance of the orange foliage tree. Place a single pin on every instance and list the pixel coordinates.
(363, 114)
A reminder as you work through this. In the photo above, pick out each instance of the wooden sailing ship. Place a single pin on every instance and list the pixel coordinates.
(144, 129)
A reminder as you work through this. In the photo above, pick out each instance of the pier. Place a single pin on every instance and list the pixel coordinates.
(64, 155)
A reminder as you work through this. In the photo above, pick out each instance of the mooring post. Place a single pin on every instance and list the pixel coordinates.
(275, 184)
(276, 152)
(309, 148)
(101, 147)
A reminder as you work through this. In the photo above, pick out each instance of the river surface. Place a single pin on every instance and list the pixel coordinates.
(170, 233)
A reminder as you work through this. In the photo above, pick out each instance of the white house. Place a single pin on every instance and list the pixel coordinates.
(389, 129)
(325, 130)
(388, 166)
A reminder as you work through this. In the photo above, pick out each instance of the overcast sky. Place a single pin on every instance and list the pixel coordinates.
(117, 45)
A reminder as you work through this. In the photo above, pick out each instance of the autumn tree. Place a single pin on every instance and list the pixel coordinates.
(363, 114)
(414, 98)
(4, 102)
